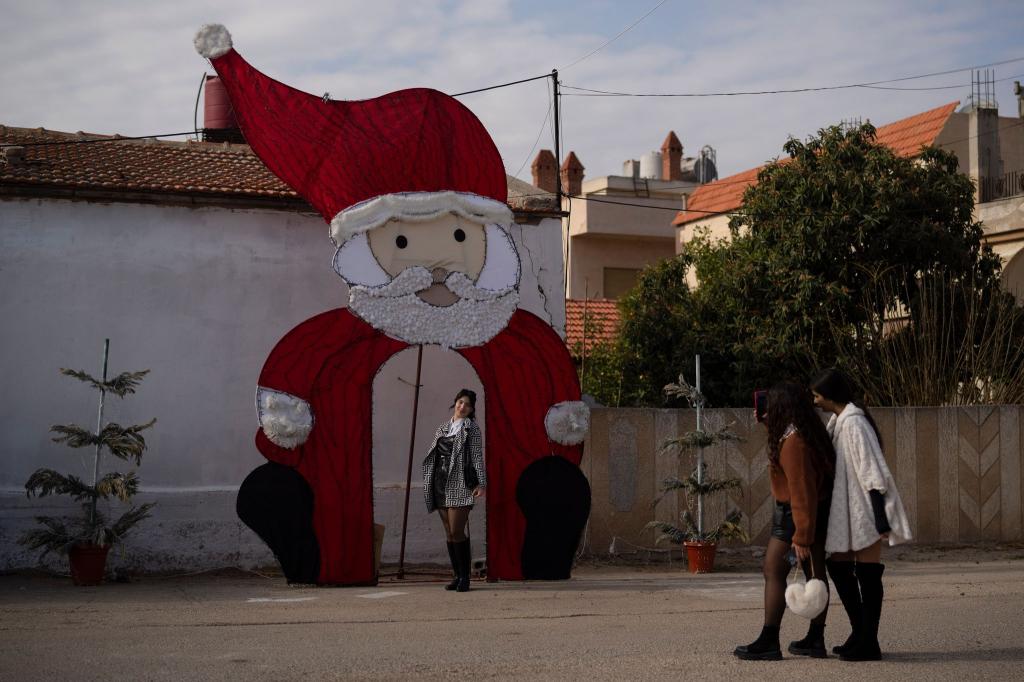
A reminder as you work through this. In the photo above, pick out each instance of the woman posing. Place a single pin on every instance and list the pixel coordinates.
(801, 464)
(453, 477)
(866, 509)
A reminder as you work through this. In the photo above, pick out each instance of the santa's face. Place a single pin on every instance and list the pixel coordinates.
(447, 280)
(443, 245)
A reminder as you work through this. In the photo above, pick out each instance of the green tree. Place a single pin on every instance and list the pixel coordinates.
(833, 218)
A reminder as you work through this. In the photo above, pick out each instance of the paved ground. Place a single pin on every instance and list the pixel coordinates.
(947, 617)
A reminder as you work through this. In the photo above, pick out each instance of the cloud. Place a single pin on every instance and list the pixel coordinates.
(129, 67)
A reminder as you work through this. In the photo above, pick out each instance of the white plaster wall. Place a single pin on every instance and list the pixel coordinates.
(199, 296)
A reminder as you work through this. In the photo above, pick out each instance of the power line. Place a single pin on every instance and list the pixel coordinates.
(940, 87)
(617, 36)
(503, 85)
(609, 93)
(543, 125)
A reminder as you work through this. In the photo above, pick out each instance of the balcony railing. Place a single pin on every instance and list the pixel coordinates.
(1006, 185)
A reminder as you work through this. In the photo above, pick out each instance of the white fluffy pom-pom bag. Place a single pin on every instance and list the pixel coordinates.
(807, 599)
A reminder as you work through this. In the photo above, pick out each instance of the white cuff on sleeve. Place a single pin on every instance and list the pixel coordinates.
(285, 419)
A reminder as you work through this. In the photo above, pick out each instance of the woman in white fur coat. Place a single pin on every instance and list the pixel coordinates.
(866, 509)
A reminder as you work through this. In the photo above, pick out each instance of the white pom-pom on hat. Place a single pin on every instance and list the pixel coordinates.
(567, 422)
(212, 40)
(807, 600)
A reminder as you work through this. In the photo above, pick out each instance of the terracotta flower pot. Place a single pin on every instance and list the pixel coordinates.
(700, 556)
(88, 563)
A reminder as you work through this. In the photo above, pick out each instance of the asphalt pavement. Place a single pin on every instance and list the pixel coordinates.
(943, 619)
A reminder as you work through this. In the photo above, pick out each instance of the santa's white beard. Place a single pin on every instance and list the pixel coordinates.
(395, 309)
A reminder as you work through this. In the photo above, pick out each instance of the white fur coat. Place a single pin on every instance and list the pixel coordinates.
(860, 467)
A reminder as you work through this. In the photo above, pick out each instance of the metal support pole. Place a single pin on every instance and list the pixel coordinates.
(700, 456)
(408, 472)
(99, 427)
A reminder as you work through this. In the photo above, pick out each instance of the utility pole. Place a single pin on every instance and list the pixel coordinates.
(558, 142)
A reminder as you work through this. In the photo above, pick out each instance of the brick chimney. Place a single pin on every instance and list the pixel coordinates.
(572, 175)
(545, 171)
(671, 157)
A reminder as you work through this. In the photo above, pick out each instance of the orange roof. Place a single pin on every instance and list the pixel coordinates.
(717, 197)
(604, 318)
(905, 137)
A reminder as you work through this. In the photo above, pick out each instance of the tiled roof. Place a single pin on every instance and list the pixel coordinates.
(908, 135)
(718, 196)
(603, 315)
(209, 169)
(138, 165)
(905, 137)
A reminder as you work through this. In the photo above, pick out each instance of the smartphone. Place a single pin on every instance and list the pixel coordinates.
(760, 404)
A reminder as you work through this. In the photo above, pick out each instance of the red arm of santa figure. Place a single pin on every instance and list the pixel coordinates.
(285, 384)
(532, 395)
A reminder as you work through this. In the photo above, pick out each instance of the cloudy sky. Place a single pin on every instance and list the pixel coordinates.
(129, 67)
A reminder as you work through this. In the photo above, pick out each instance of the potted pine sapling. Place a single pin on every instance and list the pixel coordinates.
(700, 541)
(87, 538)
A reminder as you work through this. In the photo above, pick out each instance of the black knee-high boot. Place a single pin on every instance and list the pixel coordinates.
(869, 576)
(845, 581)
(455, 567)
(464, 558)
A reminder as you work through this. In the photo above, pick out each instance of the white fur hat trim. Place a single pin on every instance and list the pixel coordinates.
(807, 600)
(416, 206)
(212, 41)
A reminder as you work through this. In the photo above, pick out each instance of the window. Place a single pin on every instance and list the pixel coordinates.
(618, 281)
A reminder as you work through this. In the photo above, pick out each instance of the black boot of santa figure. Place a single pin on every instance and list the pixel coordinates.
(765, 648)
(455, 567)
(844, 580)
(866, 649)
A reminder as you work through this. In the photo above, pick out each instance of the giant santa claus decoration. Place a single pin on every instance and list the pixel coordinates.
(415, 194)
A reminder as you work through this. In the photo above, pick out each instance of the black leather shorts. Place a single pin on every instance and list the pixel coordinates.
(783, 527)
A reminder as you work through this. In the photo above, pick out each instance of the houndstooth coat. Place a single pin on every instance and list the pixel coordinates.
(456, 492)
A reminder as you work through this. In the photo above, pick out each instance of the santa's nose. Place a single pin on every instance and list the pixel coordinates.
(438, 275)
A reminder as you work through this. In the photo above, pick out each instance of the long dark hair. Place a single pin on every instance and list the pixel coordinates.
(791, 403)
(472, 401)
(832, 384)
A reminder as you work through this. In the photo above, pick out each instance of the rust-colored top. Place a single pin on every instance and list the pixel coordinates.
(800, 480)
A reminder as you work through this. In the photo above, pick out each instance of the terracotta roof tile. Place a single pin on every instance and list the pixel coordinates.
(216, 169)
(908, 135)
(905, 137)
(604, 317)
(138, 165)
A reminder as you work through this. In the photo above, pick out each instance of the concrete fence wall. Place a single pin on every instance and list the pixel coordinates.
(958, 470)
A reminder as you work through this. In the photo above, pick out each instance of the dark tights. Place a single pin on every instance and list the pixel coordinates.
(776, 569)
(456, 523)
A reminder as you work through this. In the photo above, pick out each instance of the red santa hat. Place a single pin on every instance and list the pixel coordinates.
(412, 154)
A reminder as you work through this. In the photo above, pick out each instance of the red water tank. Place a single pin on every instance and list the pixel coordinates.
(217, 110)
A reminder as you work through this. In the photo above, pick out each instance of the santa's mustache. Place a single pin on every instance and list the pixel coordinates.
(417, 278)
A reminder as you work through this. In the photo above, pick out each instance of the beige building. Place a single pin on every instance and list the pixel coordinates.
(615, 225)
(989, 147)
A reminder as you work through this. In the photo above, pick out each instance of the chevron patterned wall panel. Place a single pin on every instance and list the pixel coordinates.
(958, 470)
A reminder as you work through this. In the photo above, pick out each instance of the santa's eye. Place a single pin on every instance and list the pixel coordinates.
(401, 242)
(460, 236)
